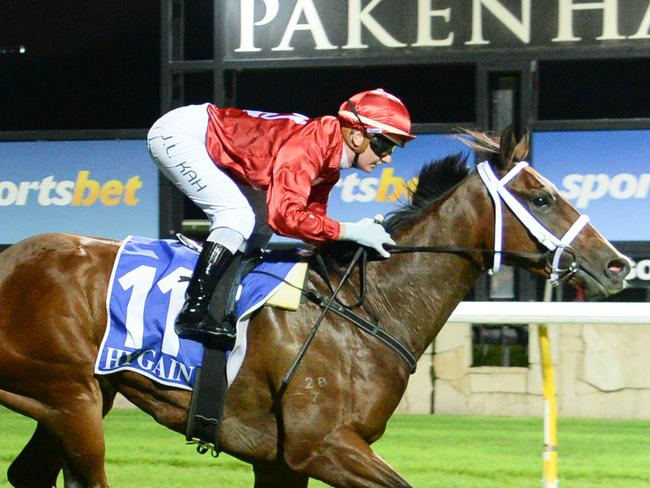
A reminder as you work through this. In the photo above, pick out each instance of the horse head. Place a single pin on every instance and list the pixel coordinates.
(537, 219)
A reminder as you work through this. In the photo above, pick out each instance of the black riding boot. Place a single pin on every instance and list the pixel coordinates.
(194, 321)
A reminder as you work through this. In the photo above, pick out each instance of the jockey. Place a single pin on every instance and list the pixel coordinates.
(211, 153)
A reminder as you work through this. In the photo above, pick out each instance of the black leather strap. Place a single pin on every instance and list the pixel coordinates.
(372, 329)
(207, 404)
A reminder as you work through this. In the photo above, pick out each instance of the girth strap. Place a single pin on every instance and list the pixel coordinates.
(372, 329)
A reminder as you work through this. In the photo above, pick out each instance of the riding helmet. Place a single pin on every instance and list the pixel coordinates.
(377, 112)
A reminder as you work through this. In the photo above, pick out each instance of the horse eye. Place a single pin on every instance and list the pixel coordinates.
(542, 201)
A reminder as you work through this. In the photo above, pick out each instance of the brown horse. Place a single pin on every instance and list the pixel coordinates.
(53, 314)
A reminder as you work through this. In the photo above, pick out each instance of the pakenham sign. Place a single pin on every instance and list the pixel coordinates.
(317, 29)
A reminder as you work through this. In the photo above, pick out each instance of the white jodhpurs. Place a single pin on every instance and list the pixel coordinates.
(176, 143)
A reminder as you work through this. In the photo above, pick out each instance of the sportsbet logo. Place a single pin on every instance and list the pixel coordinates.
(386, 188)
(580, 188)
(585, 188)
(83, 192)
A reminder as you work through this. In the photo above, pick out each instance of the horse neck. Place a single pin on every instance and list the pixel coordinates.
(415, 293)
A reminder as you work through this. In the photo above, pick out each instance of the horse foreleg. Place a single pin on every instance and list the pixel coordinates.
(39, 463)
(278, 476)
(345, 460)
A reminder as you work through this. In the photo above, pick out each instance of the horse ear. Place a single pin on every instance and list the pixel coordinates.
(522, 148)
(507, 147)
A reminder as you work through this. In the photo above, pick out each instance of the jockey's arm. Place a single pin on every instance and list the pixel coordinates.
(297, 206)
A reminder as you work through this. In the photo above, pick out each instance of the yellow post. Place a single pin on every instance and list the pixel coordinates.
(550, 403)
(550, 411)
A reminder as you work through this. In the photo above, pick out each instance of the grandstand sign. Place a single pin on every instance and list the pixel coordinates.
(267, 30)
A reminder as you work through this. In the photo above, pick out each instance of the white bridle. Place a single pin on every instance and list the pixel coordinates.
(498, 191)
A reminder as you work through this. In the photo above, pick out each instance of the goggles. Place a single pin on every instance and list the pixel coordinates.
(381, 145)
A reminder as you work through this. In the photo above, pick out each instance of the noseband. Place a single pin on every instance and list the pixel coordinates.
(499, 193)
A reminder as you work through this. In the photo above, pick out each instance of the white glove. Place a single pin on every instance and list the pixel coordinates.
(368, 233)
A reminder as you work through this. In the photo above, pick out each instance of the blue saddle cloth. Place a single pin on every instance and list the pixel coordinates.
(147, 291)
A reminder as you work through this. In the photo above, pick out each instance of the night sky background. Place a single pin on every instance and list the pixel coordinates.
(87, 65)
(96, 65)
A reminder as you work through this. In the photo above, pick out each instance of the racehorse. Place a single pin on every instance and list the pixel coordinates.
(53, 314)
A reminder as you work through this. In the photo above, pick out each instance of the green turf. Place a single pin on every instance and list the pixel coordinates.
(429, 451)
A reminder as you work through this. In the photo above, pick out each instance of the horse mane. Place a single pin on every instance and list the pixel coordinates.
(435, 180)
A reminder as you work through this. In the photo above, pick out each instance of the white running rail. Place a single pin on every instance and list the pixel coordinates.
(552, 313)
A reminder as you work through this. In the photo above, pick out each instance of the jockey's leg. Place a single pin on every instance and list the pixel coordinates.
(177, 146)
(216, 268)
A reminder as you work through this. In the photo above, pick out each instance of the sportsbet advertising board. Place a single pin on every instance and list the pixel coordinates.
(100, 188)
(605, 174)
(110, 187)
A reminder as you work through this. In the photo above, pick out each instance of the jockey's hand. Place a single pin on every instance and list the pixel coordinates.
(369, 233)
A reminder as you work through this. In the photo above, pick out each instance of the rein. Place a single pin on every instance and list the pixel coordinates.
(397, 249)
(327, 304)
(371, 328)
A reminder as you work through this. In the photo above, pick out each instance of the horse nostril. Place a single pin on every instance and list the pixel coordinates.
(618, 268)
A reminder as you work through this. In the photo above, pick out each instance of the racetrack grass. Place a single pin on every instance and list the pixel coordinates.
(429, 451)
